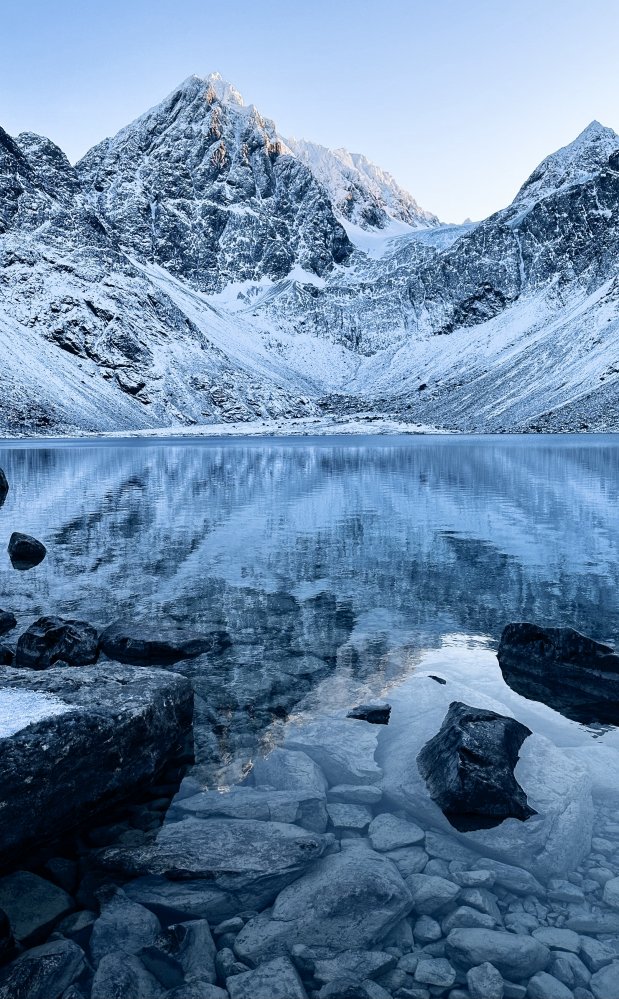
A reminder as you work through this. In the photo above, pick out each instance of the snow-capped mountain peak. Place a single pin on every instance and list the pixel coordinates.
(224, 91)
(572, 164)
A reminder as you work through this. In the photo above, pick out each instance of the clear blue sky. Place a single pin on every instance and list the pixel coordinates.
(459, 99)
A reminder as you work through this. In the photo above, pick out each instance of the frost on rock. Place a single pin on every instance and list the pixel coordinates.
(19, 708)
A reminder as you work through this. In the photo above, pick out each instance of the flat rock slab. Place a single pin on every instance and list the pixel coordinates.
(252, 859)
(277, 979)
(342, 747)
(388, 832)
(263, 804)
(34, 906)
(357, 964)
(178, 901)
(94, 735)
(348, 901)
(143, 644)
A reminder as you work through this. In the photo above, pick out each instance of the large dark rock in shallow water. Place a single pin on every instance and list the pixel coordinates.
(25, 552)
(4, 487)
(53, 640)
(562, 668)
(469, 767)
(7, 621)
(158, 646)
(72, 741)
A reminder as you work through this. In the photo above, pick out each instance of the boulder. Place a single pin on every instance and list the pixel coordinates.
(6, 655)
(357, 964)
(122, 925)
(551, 842)
(82, 739)
(514, 956)
(123, 976)
(25, 552)
(344, 816)
(571, 673)
(7, 621)
(545, 986)
(431, 893)
(4, 486)
(182, 951)
(469, 767)
(144, 644)
(179, 901)
(277, 979)
(198, 989)
(485, 982)
(260, 803)
(285, 770)
(605, 983)
(250, 860)
(355, 794)
(45, 972)
(52, 640)
(347, 901)
(388, 832)
(343, 748)
(435, 971)
(33, 905)
(377, 713)
(610, 894)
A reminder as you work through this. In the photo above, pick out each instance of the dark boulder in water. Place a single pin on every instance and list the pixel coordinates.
(54, 640)
(377, 713)
(140, 644)
(7, 621)
(562, 668)
(6, 655)
(4, 486)
(468, 767)
(25, 552)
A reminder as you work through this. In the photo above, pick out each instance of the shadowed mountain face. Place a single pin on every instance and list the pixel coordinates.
(319, 560)
(196, 268)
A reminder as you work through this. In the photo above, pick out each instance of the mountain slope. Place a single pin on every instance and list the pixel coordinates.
(197, 269)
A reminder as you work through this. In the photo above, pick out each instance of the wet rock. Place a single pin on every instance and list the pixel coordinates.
(53, 640)
(611, 893)
(355, 794)
(355, 964)
(348, 901)
(485, 982)
(44, 972)
(4, 486)
(113, 729)
(515, 879)
(349, 816)
(514, 956)
(285, 770)
(562, 668)
(254, 860)
(6, 655)
(123, 976)
(469, 767)
(122, 925)
(545, 986)
(8, 621)
(557, 938)
(183, 951)
(548, 844)
(33, 905)
(376, 713)
(277, 979)
(435, 971)
(388, 832)
(25, 552)
(259, 803)
(605, 983)
(431, 893)
(344, 749)
(143, 644)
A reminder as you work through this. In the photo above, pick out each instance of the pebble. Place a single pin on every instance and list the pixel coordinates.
(435, 971)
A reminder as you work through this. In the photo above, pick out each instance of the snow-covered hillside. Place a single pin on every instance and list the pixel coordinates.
(198, 268)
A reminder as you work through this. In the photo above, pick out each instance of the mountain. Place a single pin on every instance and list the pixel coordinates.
(360, 192)
(199, 268)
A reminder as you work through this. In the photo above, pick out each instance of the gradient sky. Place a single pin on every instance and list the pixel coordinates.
(459, 99)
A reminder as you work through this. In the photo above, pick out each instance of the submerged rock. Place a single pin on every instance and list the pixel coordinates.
(348, 901)
(53, 640)
(376, 713)
(97, 734)
(343, 748)
(260, 803)
(25, 552)
(141, 643)
(571, 673)
(4, 486)
(469, 767)
(251, 860)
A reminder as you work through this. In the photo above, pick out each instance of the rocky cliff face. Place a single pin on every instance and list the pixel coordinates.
(198, 268)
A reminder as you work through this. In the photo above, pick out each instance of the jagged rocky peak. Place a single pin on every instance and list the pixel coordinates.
(204, 186)
(572, 164)
(360, 192)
